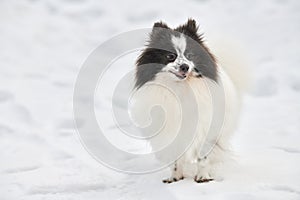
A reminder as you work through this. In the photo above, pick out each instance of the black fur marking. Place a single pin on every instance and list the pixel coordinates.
(154, 57)
(149, 64)
(202, 180)
(175, 167)
(190, 29)
(160, 24)
(205, 64)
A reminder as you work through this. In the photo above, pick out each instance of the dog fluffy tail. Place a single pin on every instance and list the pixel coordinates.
(232, 58)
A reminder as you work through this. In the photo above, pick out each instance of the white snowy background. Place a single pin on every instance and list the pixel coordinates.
(42, 47)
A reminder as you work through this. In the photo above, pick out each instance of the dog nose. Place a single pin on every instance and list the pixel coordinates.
(184, 68)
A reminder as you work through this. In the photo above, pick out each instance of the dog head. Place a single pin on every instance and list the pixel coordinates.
(179, 53)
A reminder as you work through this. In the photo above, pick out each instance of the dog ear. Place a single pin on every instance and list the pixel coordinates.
(191, 26)
(160, 25)
(159, 30)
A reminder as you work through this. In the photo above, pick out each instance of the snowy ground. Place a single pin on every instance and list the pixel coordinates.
(43, 45)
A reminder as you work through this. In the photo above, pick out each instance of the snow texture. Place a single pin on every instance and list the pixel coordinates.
(43, 45)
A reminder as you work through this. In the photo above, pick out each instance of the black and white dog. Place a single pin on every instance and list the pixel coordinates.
(177, 58)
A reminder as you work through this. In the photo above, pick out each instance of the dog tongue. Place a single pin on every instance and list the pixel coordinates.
(183, 74)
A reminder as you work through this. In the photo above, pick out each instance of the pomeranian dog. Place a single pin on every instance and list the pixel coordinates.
(178, 72)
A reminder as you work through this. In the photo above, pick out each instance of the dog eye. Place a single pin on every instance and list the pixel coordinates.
(171, 56)
(189, 55)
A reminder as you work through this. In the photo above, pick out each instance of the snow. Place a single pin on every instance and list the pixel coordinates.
(43, 46)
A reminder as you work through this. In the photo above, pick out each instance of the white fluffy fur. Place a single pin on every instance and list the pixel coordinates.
(152, 94)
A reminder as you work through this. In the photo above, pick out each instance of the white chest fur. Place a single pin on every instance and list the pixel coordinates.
(164, 92)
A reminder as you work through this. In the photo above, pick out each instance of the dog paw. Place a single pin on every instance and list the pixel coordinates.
(172, 179)
(203, 179)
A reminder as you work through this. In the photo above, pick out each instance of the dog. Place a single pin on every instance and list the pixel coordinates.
(177, 63)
